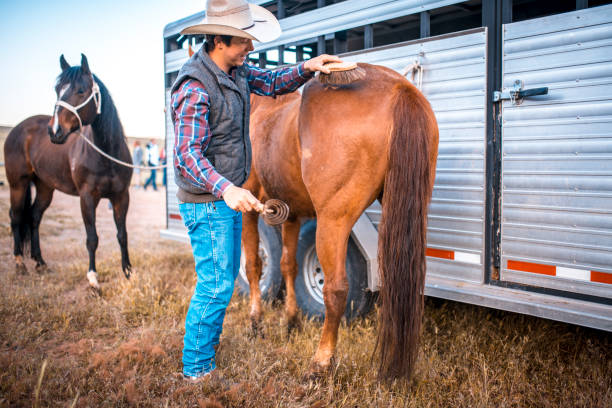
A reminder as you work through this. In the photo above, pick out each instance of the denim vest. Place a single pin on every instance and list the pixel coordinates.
(229, 150)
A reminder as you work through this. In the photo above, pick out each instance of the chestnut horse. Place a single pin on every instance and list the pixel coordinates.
(47, 152)
(330, 153)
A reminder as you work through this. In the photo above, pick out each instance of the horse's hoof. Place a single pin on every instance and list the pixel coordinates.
(43, 269)
(256, 330)
(95, 291)
(127, 272)
(317, 372)
(294, 325)
(21, 269)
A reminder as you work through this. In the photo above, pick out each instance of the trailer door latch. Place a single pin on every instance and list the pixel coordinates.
(516, 94)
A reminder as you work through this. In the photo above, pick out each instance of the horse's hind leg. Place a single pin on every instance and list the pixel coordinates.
(288, 264)
(20, 220)
(88, 211)
(120, 208)
(250, 241)
(44, 195)
(332, 240)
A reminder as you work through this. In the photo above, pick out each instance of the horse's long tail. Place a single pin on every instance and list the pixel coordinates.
(402, 232)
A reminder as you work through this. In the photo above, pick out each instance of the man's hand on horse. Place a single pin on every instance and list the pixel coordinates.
(240, 199)
(318, 63)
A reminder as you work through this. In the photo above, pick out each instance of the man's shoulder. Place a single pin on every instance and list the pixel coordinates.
(189, 89)
(190, 85)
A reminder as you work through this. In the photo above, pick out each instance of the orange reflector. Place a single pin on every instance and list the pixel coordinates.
(550, 270)
(440, 253)
(175, 216)
(601, 277)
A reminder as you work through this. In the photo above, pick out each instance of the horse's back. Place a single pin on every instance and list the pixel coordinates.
(29, 152)
(19, 139)
(344, 134)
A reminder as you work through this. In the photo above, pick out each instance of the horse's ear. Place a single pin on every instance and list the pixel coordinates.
(84, 64)
(63, 63)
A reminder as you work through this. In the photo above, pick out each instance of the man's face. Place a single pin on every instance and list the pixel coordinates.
(236, 53)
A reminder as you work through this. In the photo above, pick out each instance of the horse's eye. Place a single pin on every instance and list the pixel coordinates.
(80, 92)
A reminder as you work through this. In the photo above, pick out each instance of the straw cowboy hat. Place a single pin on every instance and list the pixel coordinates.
(237, 18)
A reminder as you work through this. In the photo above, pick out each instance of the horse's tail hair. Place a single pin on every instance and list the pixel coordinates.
(402, 232)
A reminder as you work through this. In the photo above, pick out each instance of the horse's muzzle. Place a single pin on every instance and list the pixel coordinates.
(57, 138)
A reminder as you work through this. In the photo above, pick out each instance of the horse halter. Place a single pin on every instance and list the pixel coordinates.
(95, 95)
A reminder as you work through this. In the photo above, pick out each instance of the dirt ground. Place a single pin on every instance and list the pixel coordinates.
(60, 346)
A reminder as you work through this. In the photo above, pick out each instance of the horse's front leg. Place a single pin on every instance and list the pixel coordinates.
(120, 204)
(253, 265)
(88, 211)
(332, 240)
(288, 264)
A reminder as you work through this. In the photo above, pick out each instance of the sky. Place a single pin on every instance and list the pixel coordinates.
(123, 42)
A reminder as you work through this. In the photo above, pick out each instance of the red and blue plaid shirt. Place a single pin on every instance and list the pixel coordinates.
(191, 104)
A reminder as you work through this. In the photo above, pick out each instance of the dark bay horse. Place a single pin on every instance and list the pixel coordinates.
(330, 153)
(47, 152)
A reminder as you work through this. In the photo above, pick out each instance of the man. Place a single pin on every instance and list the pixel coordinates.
(137, 160)
(152, 160)
(210, 109)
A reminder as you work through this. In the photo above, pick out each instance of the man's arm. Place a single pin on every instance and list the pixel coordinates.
(191, 105)
(280, 81)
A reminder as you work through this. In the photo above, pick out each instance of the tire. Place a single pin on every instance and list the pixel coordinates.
(270, 248)
(309, 280)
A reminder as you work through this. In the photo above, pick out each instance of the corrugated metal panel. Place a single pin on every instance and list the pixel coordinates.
(345, 15)
(454, 81)
(557, 153)
(330, 19)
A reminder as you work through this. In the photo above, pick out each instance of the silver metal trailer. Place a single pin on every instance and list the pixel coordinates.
(521, 214)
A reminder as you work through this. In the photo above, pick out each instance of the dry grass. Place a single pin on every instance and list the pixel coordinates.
(123, 348)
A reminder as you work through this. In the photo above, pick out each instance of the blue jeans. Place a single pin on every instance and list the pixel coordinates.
(215, 233)
(151, 180)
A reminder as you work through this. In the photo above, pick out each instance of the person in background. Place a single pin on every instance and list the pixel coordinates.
(137, 160)
(162, 161)
(153, 160)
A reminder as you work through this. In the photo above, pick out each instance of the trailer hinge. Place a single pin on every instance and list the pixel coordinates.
(516, 94)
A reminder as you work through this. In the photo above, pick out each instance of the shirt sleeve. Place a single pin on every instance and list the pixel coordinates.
(280, 81)
(191, 105)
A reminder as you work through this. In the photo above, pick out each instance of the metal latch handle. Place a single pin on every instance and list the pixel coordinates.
(516, 94)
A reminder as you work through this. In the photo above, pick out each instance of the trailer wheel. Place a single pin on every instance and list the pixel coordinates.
(309, 281)
(270, 253)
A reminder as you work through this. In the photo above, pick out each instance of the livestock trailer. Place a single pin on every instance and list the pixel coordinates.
(521, 214)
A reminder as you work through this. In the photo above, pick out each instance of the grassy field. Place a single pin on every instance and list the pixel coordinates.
(61, 347)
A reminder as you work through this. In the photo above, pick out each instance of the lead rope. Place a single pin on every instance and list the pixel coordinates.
(97, 97)
(111, 158)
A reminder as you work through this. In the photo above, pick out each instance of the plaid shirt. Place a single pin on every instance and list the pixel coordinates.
(191, 104)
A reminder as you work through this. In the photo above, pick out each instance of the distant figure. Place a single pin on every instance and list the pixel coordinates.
(137, 159)
(163, 160)
(152, 160)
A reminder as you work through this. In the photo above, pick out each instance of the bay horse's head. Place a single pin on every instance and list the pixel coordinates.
(78, 100)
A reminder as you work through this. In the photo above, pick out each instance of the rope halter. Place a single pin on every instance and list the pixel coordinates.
(95, 95)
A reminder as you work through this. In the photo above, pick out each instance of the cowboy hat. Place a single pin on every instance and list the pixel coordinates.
(237, 18)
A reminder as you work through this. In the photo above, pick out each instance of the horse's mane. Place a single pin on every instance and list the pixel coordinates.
(107, 123)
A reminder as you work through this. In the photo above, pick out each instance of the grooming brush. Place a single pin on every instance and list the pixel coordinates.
(341, 73)
(275, 212)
